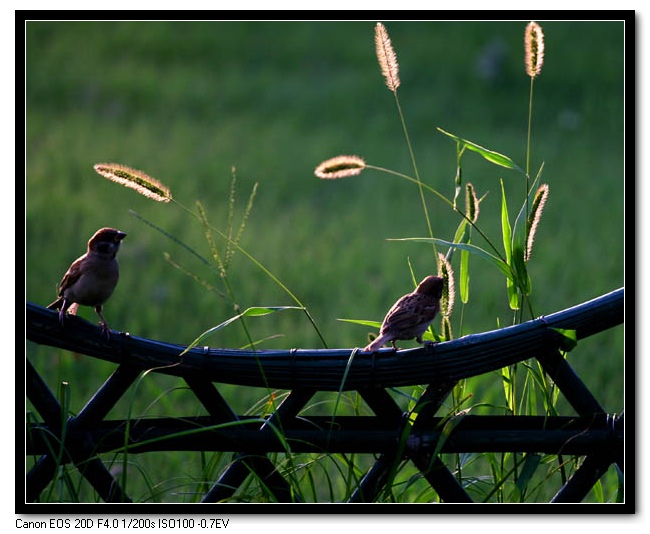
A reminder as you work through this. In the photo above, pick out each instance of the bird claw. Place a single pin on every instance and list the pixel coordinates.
(106, 331)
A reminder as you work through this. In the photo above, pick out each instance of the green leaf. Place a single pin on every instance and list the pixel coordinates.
(427, 336)
(506, 230)
(489, 155)
(372, 324)
(512, 285)
(520, 229)
(462, 232)
(620, 492)
(569, 338)
(464, 276)
(250, 312)
(531, 463)
(521, 271)
(446, 431)
(513, 294)
(508, 388)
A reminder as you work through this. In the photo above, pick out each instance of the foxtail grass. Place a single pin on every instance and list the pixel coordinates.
(134, 179)
(510, 477)
(155, 190)
(511, 258)
(386, 57)
(340, 167)
(534, 217)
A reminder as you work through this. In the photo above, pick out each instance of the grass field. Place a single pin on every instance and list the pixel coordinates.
(192, 103)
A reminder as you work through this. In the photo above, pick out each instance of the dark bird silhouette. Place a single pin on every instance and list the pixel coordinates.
(411, 315)
(91, 278)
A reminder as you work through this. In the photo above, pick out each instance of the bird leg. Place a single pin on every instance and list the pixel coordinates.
(62, 316)
(105, 329)
(65, 309)
(62, 311)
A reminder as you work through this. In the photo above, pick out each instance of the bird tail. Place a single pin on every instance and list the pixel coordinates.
(59, 303)
(377, 343)
(56, 305)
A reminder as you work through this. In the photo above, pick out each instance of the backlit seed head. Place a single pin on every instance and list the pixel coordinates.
(449, 290)
(535, 215)
(471, 203)
(386, 57)
(138, 180)
(534, 44)
(340, 167)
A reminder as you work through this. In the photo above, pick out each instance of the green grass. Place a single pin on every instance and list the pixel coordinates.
(187, 102)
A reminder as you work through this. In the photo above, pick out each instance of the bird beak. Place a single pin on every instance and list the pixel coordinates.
(120, 236)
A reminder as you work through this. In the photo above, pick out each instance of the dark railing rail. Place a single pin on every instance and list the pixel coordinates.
(594, 434)
(324, 369)
(557, 435)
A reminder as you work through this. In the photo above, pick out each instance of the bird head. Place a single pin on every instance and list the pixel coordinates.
(431, 285)
(106, 241)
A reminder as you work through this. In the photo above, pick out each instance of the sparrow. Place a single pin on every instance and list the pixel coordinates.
(411, 315)
(91, 278)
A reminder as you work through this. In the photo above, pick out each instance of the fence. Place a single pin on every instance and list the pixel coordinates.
(390, 434)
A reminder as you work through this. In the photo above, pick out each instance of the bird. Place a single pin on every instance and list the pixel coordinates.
(411, 315)
(91, 278)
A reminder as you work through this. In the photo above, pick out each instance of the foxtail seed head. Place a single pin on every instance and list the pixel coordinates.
(138, 180)
(534, 44)
(448, 291)
(340, 167)
(386, 57)
(535, 215)
(471, 203)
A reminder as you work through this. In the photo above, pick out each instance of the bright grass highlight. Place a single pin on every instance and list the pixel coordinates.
(535, 215)
(138, 180)
(340, 167)
(449, 288)
(534, 43)
(386, 57)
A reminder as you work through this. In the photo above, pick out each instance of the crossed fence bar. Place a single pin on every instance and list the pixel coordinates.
(390, 433)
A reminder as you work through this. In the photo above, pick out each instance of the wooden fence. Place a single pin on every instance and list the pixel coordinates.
(390, 434)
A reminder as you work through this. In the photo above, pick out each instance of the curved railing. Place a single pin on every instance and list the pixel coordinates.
(595, 434)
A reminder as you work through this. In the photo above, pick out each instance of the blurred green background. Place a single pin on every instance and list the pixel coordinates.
(187, 102)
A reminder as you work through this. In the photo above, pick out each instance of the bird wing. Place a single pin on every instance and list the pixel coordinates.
(56, 305)
(73, 274)
(409, 313)
(401, 315)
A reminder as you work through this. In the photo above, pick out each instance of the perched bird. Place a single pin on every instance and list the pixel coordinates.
(91, 278)
(411, 315)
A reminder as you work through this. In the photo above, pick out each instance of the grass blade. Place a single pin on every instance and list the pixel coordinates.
(489, 155)
(256, 311)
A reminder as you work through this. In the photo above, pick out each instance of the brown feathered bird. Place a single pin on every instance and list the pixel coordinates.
(411, 315)
(91, 278)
